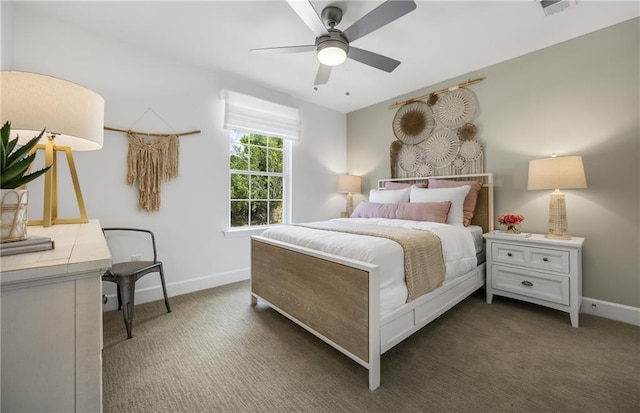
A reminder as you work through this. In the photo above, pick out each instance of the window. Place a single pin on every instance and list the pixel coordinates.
(257, 165)
(261, 135)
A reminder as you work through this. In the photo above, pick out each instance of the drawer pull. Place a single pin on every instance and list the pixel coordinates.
(104, 299)
(527, 283)
(545, 259)
(509, 254)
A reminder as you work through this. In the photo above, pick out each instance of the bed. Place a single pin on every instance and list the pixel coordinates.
(338, 298)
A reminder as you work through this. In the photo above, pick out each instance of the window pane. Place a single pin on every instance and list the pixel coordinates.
(275, 213)
(259, 187)
(259, 213)
(259, 140)
(239, 152)
(239, 213)
(275, 160)
(276, 143)
(239, 186)
(275, 188)
(258, 159)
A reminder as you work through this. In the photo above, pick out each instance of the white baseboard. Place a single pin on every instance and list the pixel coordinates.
(613, 311)
(145, 295)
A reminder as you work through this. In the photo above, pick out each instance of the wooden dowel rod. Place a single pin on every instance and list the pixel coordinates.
(193, 132)
(438, 92)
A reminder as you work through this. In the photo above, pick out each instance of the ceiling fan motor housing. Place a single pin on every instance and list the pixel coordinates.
(331, 16)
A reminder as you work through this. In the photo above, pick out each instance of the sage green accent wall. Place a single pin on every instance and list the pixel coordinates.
(580, 97)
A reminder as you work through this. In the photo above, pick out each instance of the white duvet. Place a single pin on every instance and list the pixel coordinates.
(458, 249)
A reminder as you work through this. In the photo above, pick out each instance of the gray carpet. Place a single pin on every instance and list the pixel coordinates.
(217, 353)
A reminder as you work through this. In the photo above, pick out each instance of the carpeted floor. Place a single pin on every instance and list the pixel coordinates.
(217, 353)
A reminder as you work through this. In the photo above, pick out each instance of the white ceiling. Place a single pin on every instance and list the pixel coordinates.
(435, 42)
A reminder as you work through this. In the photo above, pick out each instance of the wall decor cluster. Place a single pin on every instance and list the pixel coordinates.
(437, 137)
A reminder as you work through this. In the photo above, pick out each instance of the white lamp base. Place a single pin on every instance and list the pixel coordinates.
(557, 217)
(349, 204)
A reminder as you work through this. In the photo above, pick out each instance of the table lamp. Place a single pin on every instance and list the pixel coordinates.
(561, 172)
(348, 184)
(73, 118)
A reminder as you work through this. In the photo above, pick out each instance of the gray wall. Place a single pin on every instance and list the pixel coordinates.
(580, 97)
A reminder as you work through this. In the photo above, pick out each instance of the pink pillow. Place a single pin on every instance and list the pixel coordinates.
(414, 211)
(401, 185)
(470, 200)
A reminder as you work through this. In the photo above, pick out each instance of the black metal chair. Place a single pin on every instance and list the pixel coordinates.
(125, 275)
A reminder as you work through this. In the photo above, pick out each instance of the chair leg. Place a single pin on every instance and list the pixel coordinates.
(119, 298)
(128, 293)
(164, 289)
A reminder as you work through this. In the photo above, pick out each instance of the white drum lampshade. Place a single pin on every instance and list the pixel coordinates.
(72, 115)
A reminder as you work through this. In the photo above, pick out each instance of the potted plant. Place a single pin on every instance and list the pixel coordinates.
(14, 172)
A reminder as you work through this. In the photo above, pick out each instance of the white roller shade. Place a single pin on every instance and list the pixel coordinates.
(249, 114)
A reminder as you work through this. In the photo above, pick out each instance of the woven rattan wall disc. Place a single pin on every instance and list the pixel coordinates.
(425, 170)
(456, 108)
(471, 150)
(441, 147)
(410, 157)
(467, 131)
(413, 123)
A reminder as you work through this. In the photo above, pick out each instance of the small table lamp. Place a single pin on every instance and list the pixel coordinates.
(73, 117)
(348, 184)
(562, 172)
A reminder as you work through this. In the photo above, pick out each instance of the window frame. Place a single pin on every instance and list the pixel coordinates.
(250, 228)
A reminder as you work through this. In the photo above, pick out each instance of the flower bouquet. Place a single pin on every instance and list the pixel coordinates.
(511, 221)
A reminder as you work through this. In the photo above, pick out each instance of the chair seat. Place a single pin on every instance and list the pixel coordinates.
(127, 268)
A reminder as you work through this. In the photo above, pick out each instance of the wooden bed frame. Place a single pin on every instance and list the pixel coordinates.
(338, 299)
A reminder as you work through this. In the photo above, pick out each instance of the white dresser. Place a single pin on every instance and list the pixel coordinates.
(536, 269)
(51, 310)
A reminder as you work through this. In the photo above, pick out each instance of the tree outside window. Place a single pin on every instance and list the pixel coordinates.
(256, 164)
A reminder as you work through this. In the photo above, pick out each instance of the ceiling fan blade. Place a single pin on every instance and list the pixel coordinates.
(382, 15)
(322, 77)
(285, 49)
(373, 59)
(307, 13)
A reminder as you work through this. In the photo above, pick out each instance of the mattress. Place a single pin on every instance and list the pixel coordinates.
(459, 244)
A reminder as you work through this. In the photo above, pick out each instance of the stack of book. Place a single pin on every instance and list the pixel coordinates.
(30, 244)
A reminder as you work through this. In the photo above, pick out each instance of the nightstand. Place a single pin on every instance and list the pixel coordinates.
(536, 269)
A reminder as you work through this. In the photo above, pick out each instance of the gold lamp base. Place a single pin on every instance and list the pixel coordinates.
(557, 228)
(50, 209)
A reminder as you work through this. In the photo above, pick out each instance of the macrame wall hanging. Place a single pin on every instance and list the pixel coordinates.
(437, 137)
(152, 159)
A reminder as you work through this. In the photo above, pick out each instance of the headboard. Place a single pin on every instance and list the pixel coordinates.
(483, 215)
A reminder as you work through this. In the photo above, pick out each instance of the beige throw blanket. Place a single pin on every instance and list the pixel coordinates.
(423, 261)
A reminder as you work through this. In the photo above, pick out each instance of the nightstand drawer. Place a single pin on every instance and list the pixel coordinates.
(549, 287)
(530, 257)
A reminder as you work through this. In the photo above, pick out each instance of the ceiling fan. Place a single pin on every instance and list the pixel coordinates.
(333, 45)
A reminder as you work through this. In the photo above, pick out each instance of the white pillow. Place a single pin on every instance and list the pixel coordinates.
(387, 196)
(455, 195)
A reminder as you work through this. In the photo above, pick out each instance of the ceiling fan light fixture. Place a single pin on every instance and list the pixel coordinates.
(332, 52)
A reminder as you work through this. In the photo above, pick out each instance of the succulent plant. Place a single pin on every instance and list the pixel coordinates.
(15, 160)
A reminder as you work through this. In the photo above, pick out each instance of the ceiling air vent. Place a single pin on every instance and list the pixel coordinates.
(550, 7)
